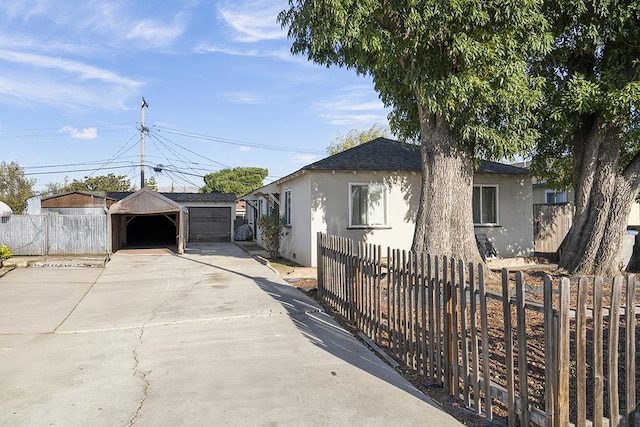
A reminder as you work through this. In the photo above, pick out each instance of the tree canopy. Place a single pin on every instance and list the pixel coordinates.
(15, 187)
(151, 183)
(454, 74)
(240, 180)
(590, 124)
(109, 182)
(355, 137)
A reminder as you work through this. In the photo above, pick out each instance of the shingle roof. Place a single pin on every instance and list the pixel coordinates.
(176, 197)
(201, 197)
(384, 154)
(381, 154)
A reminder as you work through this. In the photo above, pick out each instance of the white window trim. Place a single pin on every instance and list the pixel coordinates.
(287, 203)
(386, 207)
(497, 187)
(556, 192)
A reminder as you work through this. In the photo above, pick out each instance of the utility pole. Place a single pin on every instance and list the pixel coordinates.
(142, 131)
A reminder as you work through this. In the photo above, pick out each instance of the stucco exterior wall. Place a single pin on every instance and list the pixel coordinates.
(320, 203)
(513, 235)
(330, 208)
(297, 244)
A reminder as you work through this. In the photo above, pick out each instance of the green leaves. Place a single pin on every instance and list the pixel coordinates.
(464, 59)
(109, 182)
(240, 180)
(15, 187)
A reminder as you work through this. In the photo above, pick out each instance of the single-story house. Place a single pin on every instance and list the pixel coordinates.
(370, 193)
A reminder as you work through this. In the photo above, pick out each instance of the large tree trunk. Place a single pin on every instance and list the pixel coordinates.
(604, 198)
(444, 223)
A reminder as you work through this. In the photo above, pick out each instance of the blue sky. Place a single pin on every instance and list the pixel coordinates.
(222, 89)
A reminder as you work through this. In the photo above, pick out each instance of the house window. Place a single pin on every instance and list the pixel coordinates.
(287, 207)
(552, 197)
(368, 205)
(485, 204)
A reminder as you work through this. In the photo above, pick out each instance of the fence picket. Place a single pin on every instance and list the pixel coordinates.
(522, 350)
(464, 334)
(581, 353)
(598, 355)
(614, 329)
(486, 370)
(549, 352)
(630, 319)
(435, 321)
(455, 357)
(475, 365)
(562, 404)
(508, 348)
(431, 314)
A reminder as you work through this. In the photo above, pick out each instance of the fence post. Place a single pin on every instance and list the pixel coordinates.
(447, 345)
(562, 404)
(319, 266)
(508, 348)
(630, 319)
(550, 377)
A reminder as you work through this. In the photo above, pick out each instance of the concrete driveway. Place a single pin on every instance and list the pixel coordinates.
(208, 338)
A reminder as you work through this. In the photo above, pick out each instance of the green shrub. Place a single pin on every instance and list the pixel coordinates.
(5, 253)
(272, 229)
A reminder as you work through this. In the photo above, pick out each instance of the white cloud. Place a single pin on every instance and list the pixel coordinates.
(27, 89)
(154, 33)
(243, 98)
(254, 20)
(211, 48)
(353, 107)
(355, 120)
(85, 71)
(244, 148)
(85, 133)
(304, 159)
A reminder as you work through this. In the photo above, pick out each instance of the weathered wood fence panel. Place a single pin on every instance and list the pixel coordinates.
(435, 316)
(54, 234)
(551, 223)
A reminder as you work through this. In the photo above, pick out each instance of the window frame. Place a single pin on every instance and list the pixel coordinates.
(555, 193)
(386, 204)
(287, 206)
(482, 223)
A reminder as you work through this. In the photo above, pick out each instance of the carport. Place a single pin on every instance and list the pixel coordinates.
(147, 219)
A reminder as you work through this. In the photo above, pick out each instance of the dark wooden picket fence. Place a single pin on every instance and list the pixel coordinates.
(546, 355)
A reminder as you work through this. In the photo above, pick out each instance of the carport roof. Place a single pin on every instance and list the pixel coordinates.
(146, 202)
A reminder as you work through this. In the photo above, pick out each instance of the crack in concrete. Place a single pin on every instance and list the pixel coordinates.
(142, 375)
(79, 301)
(182, 322)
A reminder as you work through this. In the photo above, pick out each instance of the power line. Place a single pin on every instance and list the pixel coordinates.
(73, 171)
(237, 142)
(186, 149)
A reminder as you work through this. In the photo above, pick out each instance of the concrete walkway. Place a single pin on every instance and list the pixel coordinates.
(208, 338)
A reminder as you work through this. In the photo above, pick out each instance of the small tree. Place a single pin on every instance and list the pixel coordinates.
(272, 229)
(356, 137)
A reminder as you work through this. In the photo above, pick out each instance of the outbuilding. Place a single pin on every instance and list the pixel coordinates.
(147, 218)
(211, 215)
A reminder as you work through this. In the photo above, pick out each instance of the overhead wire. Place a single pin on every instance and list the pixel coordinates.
(153, 141)
(235, 142)
(117, 155)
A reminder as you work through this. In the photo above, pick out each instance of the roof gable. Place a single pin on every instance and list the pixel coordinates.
(145, 201)
(383, 154)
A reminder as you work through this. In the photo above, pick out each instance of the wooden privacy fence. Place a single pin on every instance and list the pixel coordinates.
(548, 354)
(54, 234)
